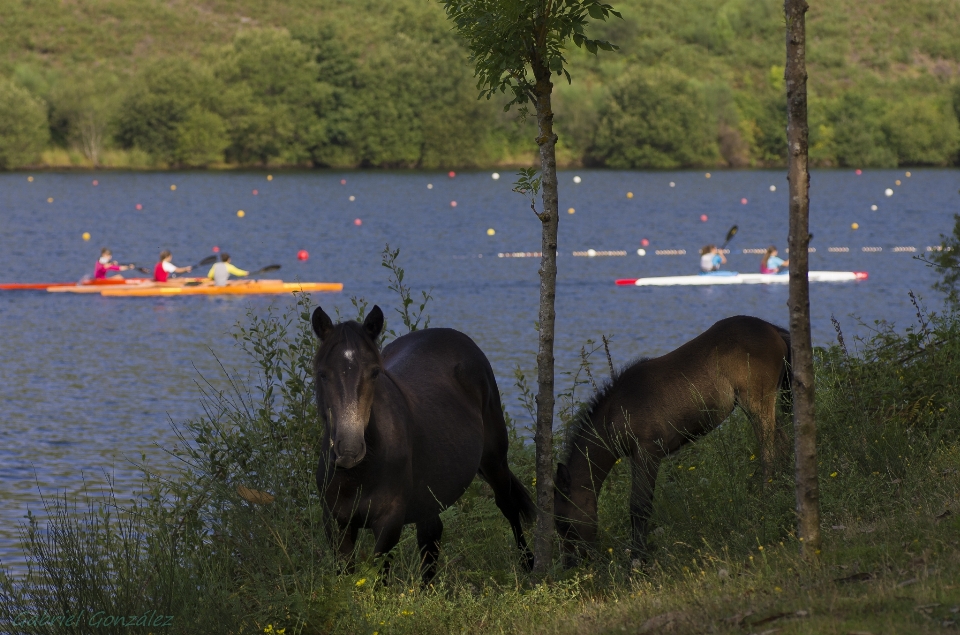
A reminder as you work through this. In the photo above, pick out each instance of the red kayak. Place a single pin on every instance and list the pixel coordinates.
(45, 285)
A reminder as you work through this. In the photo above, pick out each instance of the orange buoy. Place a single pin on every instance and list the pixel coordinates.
(358, 222)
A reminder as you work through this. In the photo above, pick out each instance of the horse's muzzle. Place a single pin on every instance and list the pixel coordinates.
(347, 461)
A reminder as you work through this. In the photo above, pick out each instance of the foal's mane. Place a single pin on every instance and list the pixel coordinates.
(583, 421)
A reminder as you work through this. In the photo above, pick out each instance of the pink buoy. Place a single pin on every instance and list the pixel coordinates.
(453, 203)
(216, 249)
(859, 172)
(343, 181)
(358, 222)
(255, 192)
(703, 218)
(96, 182)
(139, 207)
(303, 255)
(743, 201)
(644, 243)
(451, 174)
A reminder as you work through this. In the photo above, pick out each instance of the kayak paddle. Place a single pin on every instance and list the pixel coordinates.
(730, 235)
(266, 269)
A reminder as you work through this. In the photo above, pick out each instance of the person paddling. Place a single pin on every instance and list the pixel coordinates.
(771, 263)
(106, 264)
(711, 258)
(221, 271)
(165, 267)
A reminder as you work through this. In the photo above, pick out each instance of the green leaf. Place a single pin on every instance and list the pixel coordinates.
(556, 64)
(591, 46)
(596, 11)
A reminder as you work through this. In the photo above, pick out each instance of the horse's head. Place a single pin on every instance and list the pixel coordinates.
(345, 369)
(575, 517)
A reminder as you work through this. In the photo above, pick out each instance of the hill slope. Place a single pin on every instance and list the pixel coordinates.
(695, 83)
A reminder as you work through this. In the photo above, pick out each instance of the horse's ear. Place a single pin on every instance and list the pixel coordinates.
(562, 481)
(322, 324)
(373, 323)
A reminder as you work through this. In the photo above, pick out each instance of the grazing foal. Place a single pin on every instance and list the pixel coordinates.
(653, 407)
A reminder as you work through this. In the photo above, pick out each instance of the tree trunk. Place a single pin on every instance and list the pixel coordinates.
(804, 421)
(547, 140)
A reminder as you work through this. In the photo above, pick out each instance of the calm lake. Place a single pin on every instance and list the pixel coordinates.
(88, 381)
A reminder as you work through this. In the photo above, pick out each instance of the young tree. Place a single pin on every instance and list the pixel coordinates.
(516, 46)
(804, 421)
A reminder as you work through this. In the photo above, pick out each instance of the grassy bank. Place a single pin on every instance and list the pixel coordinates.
(234, 544)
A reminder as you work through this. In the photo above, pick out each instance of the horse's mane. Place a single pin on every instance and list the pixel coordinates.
(583, 421)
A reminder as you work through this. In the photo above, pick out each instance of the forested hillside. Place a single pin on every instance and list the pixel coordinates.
(385, 83)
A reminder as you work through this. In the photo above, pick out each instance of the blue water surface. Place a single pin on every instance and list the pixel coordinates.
(87, 382)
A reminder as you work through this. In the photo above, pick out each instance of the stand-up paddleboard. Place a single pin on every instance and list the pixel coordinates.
(733, 277)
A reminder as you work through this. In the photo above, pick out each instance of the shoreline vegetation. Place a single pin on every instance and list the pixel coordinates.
(239, 83)
(234, 543)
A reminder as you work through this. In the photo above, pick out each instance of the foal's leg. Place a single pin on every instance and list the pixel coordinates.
(428, 538)
(643, 479)
(345, 540)
(764, 416)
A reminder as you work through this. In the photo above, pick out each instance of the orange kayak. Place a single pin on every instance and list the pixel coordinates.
(238, 287)
(83, 283)
(96, 286)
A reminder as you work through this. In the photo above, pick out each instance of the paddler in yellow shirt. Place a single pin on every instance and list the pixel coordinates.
(220, 272)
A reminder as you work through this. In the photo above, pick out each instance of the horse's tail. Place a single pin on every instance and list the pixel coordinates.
(786, 387)
(521, 499)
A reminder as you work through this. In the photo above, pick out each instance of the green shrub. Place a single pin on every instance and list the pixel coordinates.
(23, 126)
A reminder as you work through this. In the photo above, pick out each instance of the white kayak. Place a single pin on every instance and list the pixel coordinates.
(733, 277)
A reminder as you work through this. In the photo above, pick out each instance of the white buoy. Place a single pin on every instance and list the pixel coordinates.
(495, 176)
(353, 198)
(888, 192)
(641, 252)
(429, 186)
(773, 188)
(873, 208)
(577, 179)
(672, 184)
(591, 253)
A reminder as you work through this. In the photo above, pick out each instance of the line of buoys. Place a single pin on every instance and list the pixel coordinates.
(936, 248)
(753, 251)
(904, 249)
(520, 254)
(593, 253)
(671, 252)
(810, 250)
(838, 250)
(871, 250)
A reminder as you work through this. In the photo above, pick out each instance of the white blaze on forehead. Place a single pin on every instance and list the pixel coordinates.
(348, 354)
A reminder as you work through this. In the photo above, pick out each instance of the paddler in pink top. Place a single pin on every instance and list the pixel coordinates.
(106, 264)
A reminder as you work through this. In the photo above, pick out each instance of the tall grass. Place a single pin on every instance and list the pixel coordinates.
(234, 543)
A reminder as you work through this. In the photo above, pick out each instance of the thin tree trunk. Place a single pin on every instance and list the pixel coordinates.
(547, 140)
(804, 420)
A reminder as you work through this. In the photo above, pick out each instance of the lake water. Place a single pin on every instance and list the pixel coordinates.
(86, 381)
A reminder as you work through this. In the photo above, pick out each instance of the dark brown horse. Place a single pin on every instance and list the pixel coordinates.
(653, 407)
(406, 432)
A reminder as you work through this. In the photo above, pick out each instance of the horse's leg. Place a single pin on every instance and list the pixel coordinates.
(643, 479)
(386, 534)
(345, 540)
(428, 538)
(511, 498)
(765, 416)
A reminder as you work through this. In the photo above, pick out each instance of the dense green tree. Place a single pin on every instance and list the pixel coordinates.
(23, 126)
(162, 96)
(922, 131)
(83, 110)
(850, 132)
(201, 138)
(655, 119)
